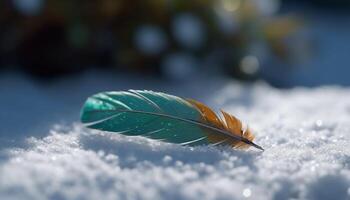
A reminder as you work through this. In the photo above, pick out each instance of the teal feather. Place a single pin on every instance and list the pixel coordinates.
(153, 115)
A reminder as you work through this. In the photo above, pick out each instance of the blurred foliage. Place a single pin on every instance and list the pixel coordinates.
(169, 37)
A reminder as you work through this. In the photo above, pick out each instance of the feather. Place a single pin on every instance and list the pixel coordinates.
(164, 117)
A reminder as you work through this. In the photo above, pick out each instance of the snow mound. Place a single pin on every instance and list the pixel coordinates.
(305, 133)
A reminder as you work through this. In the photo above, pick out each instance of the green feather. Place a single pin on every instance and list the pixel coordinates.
(114, 119)
(150, 114)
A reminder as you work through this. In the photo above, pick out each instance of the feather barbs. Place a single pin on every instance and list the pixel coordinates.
(162, 116)
(229, 123)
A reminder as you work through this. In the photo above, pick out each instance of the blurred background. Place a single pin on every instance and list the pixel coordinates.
(284, 42)
(55, 53)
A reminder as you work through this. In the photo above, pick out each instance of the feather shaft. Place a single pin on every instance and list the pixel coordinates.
(226, 133)
(164, 117)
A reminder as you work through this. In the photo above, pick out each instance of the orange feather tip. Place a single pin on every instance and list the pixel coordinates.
(229, 124)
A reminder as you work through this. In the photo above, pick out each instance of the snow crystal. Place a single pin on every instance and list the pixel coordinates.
(305, 133)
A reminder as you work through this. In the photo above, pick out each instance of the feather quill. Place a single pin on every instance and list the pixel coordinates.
(164, 117)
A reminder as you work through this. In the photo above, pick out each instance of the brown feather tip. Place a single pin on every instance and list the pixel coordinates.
(230, 124)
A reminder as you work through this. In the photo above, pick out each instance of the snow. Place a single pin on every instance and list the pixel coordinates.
(305, 133)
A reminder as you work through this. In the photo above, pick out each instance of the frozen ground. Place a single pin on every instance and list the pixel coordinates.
(47, 154)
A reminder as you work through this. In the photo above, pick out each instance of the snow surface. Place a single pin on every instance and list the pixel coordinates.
(305, 133)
